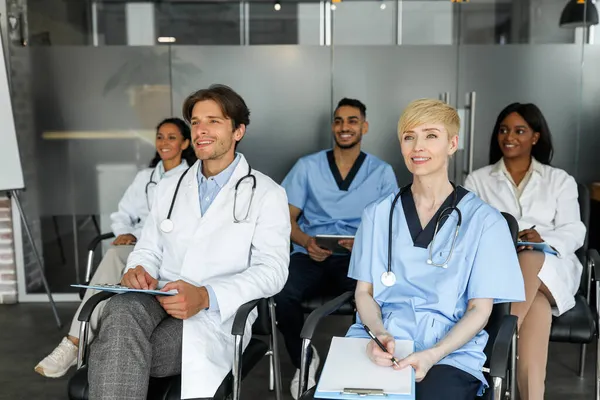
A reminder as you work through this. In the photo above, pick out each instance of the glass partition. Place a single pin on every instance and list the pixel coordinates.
(95, 110)
(99, 86)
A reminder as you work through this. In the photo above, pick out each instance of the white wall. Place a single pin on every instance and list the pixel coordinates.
(366, 23)
(141, 29)
(426, 22)
(309, 15)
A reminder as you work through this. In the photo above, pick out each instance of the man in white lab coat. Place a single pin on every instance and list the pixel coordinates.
(216, 251)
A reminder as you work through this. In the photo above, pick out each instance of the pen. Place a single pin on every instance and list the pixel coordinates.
(533, 227)
(381, 346)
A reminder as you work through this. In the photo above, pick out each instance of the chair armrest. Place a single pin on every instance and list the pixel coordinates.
(501, 349)
(88, 307)
(313, 319)
(241, 316)
(98, 239)
(594, 257)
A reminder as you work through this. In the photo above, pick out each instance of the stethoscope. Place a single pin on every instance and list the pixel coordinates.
(150, 183)
(388, 278)
(167, 225)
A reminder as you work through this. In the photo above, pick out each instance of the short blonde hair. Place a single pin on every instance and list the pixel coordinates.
(429, 111)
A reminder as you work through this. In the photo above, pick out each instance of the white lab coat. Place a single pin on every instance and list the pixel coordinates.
(133, 206)
(548, 201)
(240, 261)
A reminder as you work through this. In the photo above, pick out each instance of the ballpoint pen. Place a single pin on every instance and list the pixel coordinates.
(381, 346)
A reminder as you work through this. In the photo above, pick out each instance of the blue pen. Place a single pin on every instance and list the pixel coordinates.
(381, 346)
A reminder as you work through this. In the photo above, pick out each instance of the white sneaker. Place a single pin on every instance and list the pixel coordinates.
(312, 371)
(57, 363)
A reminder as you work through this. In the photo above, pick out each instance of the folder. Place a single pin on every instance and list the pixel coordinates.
(539, 247)
(122, 289)
(349, 374)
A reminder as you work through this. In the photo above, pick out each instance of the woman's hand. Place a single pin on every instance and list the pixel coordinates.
(529, 235)
(421, 361)
(379, 356)
(125, 239)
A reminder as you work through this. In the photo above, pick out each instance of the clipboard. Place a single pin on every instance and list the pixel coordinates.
(106, 287)
(349, 374)
(544, 247)
(330, 242)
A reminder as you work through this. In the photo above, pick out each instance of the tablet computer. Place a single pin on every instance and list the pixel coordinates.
(330, 242)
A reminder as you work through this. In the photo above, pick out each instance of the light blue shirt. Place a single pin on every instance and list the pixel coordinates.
(427, 301)
(330, 205)
(208, 189)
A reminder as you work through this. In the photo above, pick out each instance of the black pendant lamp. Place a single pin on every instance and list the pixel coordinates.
(579, 13)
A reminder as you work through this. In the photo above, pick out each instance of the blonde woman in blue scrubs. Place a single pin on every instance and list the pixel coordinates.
(442, 306)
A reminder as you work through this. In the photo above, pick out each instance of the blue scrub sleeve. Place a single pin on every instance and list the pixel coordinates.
(362, 250)
(212, 299)
(295, 185)
(389, 184)
(496, 273)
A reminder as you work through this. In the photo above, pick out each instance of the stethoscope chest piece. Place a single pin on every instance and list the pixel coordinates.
(388, 278)
(166, 225)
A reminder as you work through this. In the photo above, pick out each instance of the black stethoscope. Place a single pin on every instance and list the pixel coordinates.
(150, 183)
(388, 278)
(167, 225)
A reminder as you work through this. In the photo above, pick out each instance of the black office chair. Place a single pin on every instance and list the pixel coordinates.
(500, 349)
(169, 388)
(580, 324)
(89, 268)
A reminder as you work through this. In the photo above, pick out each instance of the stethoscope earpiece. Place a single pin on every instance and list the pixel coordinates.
(167, 226)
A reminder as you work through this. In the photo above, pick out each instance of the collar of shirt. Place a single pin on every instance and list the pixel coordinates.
(534, 166)
(160, 171)
(222, 177)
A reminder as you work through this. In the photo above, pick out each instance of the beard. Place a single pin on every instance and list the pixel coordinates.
(356, 142)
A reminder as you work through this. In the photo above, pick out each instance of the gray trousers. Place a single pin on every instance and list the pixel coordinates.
(137, 339)
(110, 270)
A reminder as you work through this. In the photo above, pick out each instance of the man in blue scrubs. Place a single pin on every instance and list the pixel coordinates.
(327, 193)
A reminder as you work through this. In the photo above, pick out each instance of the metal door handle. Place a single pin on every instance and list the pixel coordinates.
(471, 101)
(445, 97)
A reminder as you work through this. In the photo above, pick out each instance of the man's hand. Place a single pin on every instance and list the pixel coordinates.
(125, 239)
(315, 252)
(421, 361)
(138, 278)
(347, 244)
(189, 300)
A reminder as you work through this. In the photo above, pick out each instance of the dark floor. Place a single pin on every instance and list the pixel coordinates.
(28, 333)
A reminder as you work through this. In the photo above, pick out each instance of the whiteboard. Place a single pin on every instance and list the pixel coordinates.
(11, 176)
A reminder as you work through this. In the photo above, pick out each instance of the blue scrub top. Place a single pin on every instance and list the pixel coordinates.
(427, 301)
(330, 205)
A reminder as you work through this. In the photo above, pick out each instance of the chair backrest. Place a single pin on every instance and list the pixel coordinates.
(502, 309)
(584, 210)
(513, 225)
(262, 325)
